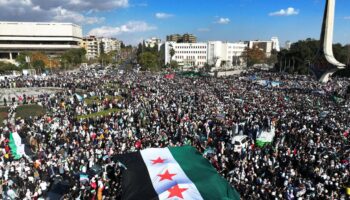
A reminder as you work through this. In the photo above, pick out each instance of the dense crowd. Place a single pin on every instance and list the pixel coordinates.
(308, 158)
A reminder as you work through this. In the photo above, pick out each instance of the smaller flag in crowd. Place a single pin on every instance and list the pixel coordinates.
(169, 76)
(17, 148)
(83, 177)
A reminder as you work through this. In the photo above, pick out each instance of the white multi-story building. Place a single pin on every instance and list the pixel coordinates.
(187, 54)
(153, 42)
(266, 46)
(276, 44)
(218, 53)
(288, 45)
(109, 44)
(225, 54)
(51, 38)
(95, 46)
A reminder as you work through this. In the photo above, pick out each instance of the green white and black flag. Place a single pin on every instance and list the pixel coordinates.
(172, 173)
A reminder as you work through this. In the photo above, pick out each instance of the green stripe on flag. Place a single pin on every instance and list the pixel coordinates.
(207, 180)
(15, 142)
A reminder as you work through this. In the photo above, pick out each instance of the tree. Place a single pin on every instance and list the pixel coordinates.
(172, 53)
(236, 61)
(151, 52)
(254, 56)
(215, 60)
(106, 59)
(7, 67)
(302, 53)
(139, 49)
(174, 64)
(73, 57)
(148, 61)
(223, 63)
(102, 49)
(122, 45)
(38, 65)
(39, 60)
(272, 60)
(21, 60)
(34, 57)
(207, 67)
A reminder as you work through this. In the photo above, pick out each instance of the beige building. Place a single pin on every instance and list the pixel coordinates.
(173, 38)
(95, 46)
(189, 38)
(186, 38)
(92, 47)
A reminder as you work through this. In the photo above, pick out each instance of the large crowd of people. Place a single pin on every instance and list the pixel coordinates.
(307, 159)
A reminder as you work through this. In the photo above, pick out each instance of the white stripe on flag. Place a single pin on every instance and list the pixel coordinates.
(170, 165)
(17, 139)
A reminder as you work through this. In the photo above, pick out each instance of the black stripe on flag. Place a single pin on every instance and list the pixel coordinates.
(136, 182)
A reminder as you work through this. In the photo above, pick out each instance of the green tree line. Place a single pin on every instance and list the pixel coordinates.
(149, 58)
(302, 54)
(40, 61)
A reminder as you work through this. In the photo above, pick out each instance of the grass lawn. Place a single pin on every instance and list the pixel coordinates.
(3, 114)
(24, 111)
(91, 100)
(99, 114)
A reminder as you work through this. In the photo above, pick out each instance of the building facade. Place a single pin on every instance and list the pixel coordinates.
(50, 38)
(189, 38)
(92, 46)
(186, 38)
(288, 45)
(276, 44)
(187, 54)
(153, 42)
(225, 54)
(265, 46)
(95, 46)
(173, 38)
(217, 53)
(109, 44)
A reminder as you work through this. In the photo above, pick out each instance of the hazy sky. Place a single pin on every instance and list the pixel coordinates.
(228, 20)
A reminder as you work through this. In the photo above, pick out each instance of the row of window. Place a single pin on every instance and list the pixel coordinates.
(191, 57)
(192, 52)
(230, 47)
(39, 42)
(234, 52)
(194, 63)
(190, 47)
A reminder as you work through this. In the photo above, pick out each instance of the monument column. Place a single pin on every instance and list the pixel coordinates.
(325, 63)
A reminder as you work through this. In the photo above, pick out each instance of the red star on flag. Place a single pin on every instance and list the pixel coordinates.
(159, 160)
(176, 192)
(166, 176)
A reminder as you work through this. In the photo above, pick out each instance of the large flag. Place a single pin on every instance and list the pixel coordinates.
(172, 173)
(16, 146)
